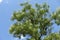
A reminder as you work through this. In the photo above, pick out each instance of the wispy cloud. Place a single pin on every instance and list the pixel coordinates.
(1, 1)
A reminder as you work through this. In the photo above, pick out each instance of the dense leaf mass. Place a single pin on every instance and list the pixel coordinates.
(53, 36)
(35, 21)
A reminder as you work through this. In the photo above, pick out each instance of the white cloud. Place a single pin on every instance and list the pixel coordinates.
(1, 1)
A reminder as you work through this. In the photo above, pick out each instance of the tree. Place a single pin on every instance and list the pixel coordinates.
(36, 21)
(53, 36)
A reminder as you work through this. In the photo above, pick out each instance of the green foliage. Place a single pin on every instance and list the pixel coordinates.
(30, 19)
(53, 36)
(56, 16)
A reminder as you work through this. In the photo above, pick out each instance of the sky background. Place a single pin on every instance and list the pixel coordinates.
(6, 10)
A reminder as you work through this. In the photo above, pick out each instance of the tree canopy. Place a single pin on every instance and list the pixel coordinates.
(53, 36)
(36, 21)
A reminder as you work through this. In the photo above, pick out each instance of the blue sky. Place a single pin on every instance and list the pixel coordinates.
(8, 6)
